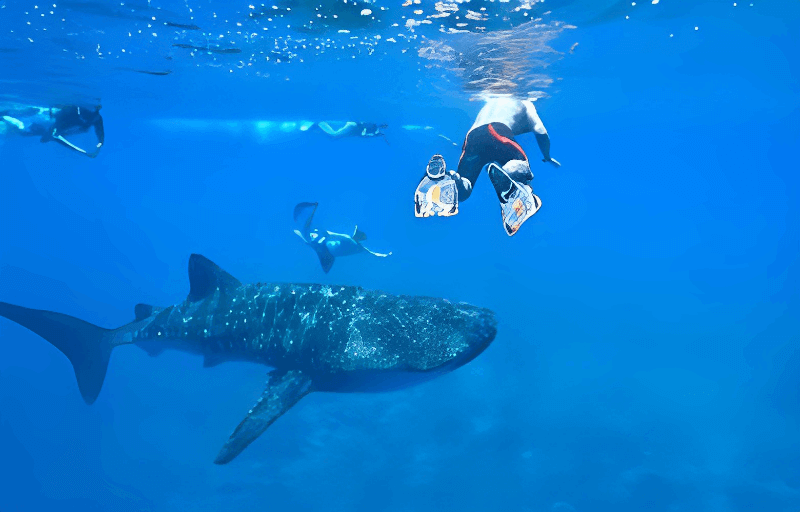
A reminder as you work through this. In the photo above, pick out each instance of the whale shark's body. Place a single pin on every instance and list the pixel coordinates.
(315, 337)
(327, 244)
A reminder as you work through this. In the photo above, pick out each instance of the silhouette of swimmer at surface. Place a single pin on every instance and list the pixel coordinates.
(327, 244)
(57, 124)
(489, 145)
(351, 129)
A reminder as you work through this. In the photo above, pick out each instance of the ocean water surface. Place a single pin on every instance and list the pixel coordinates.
(648, 346)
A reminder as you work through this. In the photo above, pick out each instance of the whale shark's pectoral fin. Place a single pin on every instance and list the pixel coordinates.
(205, 277)
(284, 389)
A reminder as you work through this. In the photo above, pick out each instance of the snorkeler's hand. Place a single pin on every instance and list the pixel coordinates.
(553, 161)
(454, 175)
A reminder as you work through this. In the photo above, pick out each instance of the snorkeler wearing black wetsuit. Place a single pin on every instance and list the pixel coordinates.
(489, 144)
(72, 119)
(58, 123)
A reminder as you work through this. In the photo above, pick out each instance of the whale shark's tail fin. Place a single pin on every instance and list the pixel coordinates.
(284, 389)
(87, 346)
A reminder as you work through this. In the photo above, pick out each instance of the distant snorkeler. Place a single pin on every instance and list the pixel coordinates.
(489, 144)
(327, 244)
(56, 124)
(352, 129)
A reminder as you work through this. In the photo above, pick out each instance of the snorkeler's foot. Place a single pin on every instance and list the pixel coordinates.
(518, 203)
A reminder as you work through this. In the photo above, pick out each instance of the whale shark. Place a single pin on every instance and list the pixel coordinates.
(313, 337)
(327, 244)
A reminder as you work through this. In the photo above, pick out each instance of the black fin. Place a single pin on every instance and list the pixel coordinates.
(326, 259)
(305, 212)
(143, 311)
(152, 350)
(359, 236)
(205, 277)
(282, 392)
(210, 360)
(87, 346)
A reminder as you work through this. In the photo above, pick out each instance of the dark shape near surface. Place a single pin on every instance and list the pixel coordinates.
(148, 72)
(314, 337)
(210, 49)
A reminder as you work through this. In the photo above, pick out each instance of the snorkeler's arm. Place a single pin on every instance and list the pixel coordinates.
(325, 127)
(100, 132)
(544, 146)
(540, 132)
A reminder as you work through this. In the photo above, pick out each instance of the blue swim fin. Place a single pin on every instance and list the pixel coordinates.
(304, 212)
(359, 236)
(326, 259)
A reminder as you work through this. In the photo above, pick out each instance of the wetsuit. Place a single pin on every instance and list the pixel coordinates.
(493, 142)
(71, 119)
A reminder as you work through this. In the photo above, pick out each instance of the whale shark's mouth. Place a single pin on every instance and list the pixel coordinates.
(478, 339)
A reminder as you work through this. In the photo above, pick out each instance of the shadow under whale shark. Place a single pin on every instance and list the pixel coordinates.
(315, 337)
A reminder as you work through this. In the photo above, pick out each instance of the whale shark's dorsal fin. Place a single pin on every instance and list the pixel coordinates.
(284, 389)
(205, 277)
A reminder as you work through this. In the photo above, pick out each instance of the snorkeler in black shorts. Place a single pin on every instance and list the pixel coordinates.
(489, 144)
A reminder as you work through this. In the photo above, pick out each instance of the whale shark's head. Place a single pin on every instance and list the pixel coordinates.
(423, 334)
(368, 340)
(390, 342)
(463, 332)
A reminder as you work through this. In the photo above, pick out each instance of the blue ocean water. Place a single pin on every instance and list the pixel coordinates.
(648, 347)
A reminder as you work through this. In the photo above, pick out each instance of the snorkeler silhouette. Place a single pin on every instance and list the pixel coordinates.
(327, 244)
(351, 129)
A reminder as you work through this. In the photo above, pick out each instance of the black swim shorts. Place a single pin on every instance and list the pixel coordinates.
(493, 142)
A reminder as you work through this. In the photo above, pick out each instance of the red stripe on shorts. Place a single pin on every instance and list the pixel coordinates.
(506, 140)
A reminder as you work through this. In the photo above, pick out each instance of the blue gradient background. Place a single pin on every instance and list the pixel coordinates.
(648, 354)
